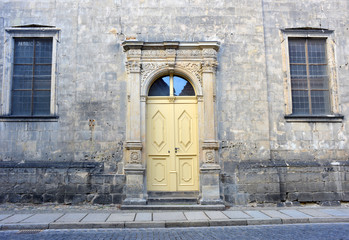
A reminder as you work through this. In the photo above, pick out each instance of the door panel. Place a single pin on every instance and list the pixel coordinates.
(159, 145)
(172, 147)
(186, 140)
(187, 173)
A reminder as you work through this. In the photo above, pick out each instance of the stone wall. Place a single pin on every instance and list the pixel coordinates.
(62, 182)
(263, 157)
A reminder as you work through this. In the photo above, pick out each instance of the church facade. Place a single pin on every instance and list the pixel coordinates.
(134, 102)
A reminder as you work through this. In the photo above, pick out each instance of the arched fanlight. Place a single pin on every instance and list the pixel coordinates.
(180, 87)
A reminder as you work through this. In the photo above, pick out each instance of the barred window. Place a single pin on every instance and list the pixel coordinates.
(31, 79)
(309, 77)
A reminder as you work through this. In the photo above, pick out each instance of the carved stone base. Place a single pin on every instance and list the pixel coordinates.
(134, 185)
(210, 184)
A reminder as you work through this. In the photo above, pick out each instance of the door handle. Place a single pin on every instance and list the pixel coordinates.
(176, 149)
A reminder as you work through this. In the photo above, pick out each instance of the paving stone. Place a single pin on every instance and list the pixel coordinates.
(96, 217)
(335, 212)
(275, 214)
(71, 217)
(121, 217)
(143, 217)
(314, 212)
(195, 216)
(169, 216)
(257, 214)
(16, 218)
(236, 214)
(216, 215)
(3, 216)
(43, 218)
(295, 214)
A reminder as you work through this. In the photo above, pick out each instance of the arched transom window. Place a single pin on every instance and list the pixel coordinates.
(171, 85)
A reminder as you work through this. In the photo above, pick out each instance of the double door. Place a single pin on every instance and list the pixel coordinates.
(172, 144)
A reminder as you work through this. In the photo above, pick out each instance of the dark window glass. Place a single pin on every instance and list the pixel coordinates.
(31, 82)
(182, 87)
(309, 78)
(161, 87)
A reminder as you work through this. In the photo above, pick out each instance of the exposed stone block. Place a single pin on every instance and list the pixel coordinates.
(102, 199)
(37, 198)
(305, 197)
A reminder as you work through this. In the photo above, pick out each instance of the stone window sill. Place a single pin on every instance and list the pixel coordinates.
(28, 118)
(314, 118)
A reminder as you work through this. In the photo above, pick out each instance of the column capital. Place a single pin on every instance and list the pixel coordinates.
(209, 66)
(133, 67)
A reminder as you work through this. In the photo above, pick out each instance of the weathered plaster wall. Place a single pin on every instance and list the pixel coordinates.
(256, 141)
(308, 161)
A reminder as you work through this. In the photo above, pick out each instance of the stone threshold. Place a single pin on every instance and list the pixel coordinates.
(173, 207)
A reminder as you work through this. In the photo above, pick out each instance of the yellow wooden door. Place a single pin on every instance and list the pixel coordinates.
(172, 147)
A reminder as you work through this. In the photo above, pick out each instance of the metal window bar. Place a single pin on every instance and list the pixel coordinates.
(33, 64)
(309, 88)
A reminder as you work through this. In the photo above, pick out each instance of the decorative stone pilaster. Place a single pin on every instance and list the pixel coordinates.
(134, 165)
(134, 171)
(209, 174)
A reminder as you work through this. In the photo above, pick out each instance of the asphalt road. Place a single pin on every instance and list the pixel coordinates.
(296, 231)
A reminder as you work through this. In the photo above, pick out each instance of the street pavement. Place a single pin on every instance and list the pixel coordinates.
(13, 217)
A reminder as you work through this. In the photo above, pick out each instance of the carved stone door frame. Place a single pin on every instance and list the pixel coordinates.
(197, 62)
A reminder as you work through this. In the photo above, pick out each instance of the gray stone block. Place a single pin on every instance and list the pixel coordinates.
(140, 217)
(257, 215)
(305, 197)
(14, 218)
(275, 214)
(195, 216)
(216, 215)
(294, 213)
(71, 217)
(102, 199)
(95, 217)
(236, 214)
(169, 216)
(43, 218)
(121, 217)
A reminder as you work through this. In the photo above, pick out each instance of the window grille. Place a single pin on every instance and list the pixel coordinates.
(31, 80)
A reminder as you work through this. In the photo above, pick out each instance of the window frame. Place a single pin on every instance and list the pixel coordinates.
(327, 35)
(9, 43)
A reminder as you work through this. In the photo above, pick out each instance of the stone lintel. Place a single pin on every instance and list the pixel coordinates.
(133, 145)
(127, 45)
